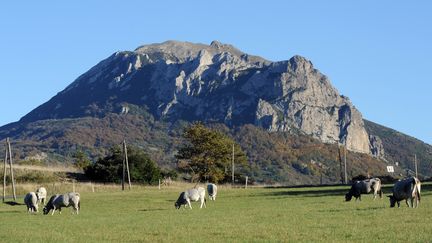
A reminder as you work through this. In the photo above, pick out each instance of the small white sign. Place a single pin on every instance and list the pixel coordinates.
(390, 168)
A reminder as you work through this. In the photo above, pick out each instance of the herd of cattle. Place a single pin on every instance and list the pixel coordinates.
(406, 189)
(57, 201)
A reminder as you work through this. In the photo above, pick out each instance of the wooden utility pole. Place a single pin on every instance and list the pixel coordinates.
(415, 164)
(340, 163)
(125, 166)
(4, 176)
(232, 165)
(8, 152)
(345, 166)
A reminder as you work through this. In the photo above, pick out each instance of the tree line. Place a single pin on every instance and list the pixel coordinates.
(205, 156)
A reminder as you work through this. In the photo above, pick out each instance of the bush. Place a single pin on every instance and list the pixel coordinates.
(110, 169)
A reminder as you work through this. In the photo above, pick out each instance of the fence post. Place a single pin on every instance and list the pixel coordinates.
(246, 182)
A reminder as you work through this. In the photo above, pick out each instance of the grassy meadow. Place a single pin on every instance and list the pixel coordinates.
(147, 214)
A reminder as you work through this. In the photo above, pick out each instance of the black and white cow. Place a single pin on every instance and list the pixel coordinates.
(31, 201)
(66, 200)
(212, 191)
(407, 189)
(364, 187)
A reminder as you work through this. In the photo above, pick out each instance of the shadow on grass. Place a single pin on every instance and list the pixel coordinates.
(11, 203)
(14, 211)
(152, 209)
(320, 193)
(335, 190)
(349, 209)
(309, 193)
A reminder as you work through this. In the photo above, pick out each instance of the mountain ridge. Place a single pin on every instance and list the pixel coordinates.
(182, 80)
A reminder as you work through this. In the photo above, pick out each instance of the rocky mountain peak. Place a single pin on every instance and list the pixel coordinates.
(180, 52)
(181, 80)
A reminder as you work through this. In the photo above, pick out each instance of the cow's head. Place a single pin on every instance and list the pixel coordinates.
(180, 201)
(177, 205)
(45, 210)
(49, 205)
(348, 197)
(392, 201)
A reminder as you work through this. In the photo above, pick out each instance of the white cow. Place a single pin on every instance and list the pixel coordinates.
(212, 191)
(408, 190)
(32, 202)
(189, 195)
(41, 193)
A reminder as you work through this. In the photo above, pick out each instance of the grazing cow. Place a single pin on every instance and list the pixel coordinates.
(66, 200)
(364, 187)
(212, 191)
(407, 189)
(189, 195)
(41, 193)
(31, 201)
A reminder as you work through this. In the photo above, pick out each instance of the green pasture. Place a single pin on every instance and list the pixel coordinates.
(147, 214)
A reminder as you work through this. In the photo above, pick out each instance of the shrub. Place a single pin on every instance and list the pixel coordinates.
(110, 169)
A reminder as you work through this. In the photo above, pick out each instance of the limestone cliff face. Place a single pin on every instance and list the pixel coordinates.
(216, 82)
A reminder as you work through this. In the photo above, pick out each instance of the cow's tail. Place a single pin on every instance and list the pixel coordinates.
(379, 187)
(418, 188)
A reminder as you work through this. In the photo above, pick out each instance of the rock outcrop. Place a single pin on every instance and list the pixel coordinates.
(376, 146)
(216, 82)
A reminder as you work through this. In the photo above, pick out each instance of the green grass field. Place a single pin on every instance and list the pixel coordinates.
(316, 214)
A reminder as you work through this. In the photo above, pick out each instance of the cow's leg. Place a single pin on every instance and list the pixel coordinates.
(53, 211)
(203, 202)
(398, 203)
(407, 201)
(189, 203)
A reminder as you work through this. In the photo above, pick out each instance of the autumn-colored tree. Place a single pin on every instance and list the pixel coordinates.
(81, 159)
(208, 153)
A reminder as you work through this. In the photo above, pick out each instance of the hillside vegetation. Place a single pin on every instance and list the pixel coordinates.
(283, 157)
(402, 148)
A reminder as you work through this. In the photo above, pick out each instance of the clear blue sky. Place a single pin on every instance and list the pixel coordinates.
(378, 53)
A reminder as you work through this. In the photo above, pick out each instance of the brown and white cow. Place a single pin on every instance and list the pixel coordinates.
(407, 189)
